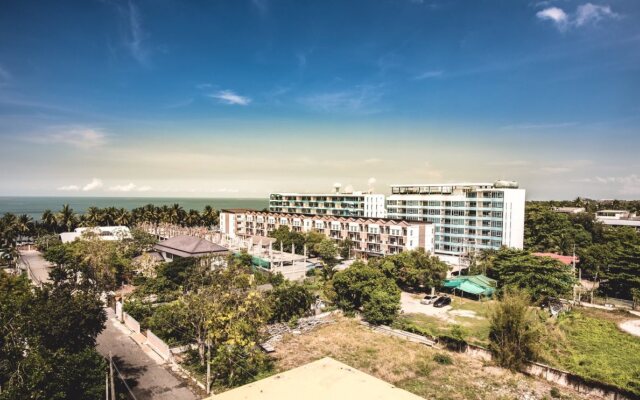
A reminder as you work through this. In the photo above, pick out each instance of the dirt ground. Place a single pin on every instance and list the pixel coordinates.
(411, 366)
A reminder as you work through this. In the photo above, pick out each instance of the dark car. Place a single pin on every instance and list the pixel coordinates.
(442, 301)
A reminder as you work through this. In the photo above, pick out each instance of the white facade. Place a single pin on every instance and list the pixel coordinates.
(468, 217)
(102, 232)
(356, 204)
(618, 218)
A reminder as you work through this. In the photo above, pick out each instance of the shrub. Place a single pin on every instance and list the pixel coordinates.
(443, 359)
(514, 330)
(382, 307)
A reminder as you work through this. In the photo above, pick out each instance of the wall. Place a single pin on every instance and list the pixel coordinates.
(131, 323)
(158, 346)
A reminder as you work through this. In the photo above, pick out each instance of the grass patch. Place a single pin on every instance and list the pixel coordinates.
(591, 345)
(408, 365)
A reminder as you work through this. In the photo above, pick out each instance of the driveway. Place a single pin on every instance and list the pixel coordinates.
(410, 304)
(37, 267)
(142, 369)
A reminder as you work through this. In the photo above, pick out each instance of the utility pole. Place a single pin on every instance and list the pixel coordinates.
(208, 367)
(113, 386)
(106, 386)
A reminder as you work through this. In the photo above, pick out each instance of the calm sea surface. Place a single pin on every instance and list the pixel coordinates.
(34, 206)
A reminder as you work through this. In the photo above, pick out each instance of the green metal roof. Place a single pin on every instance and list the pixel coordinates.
(474, 284)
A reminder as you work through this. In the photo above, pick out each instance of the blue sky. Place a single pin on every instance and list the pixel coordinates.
(243, 97)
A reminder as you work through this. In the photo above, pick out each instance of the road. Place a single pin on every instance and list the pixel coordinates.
(38, 268)
(142, 370)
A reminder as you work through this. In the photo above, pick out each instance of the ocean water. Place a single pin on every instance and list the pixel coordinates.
(34, 206)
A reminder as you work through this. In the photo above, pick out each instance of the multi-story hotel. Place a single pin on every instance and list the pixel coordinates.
(371, 236)
(467, 216)
(352, 204)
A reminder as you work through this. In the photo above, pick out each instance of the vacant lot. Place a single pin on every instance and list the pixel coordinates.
(589, 343)
(409, 365)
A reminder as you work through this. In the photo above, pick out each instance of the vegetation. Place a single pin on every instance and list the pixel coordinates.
(413, 270)
(47, 340)
(589, 343)
(514, 334)
(364, 286)
(607, 254)
(289, 300)
(540, 277)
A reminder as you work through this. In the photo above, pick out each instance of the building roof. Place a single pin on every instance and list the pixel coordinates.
(474, 284)
(566, 260)
(318, 380)
(189, 246)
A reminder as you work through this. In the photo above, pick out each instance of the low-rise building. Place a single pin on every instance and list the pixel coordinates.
(618, 218)
(188, 246)
(569, 210)
(319, 380)
(340, 204)
(371, 236)
(102, 232)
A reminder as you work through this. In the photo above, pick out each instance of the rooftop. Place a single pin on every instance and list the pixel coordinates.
(189, 246)
(566, 260)
(319, 380)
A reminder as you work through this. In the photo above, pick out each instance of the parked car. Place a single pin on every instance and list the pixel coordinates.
(429, 299)
(442, 301)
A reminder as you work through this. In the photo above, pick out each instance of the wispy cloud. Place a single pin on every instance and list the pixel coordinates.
(5, 76)
(230, 97)
(136, 36)
(429, 75)
(129, 187)
(627, 185)
(93, 185)
(552, 125)
(566, 166)
(69, 188)
(585, 14)
(82, 138)
(359, 100)
(262, 6)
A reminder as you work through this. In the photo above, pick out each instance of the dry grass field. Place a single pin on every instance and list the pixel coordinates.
(427, 372)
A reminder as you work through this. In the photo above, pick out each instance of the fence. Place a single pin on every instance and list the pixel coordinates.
(130, 322)
(548, 373)
(158, 346)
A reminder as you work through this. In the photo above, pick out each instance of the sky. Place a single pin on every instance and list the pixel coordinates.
(240, 98)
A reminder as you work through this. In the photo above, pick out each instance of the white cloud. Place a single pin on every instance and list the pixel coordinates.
(585, 14)
(94, 184)
(144, 188)
(83, 138)
(230, 97)
(372, 181)
(554, 14)
(68, 188)
(551, 125)
(627, 185)
(123, 188)
(429, 74)
(590, 13)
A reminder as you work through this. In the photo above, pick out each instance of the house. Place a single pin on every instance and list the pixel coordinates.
(102, 232)
(569, 210)
(319, 380)
(566, 260)
(188, 246)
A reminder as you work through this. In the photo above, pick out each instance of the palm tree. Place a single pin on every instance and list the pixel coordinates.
(176, 214)
(93, 216)
(24, 225)
(122, 217)
(49, 220)
(210, 216)
(66, 218)
(193, 218)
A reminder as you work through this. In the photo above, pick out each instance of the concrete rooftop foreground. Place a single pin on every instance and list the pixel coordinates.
(319, 380)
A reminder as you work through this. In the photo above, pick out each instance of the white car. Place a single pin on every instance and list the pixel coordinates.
(429, 299)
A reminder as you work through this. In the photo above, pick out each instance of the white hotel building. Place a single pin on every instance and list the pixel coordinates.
(468, 217)
(352, 204)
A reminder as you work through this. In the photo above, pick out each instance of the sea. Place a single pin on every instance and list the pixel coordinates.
(34, 206)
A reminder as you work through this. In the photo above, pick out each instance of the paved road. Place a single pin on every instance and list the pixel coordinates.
(142, 370)
(38, 266)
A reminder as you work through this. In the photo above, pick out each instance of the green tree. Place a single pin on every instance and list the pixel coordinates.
(289, 300)
(327, 251)
(539, 276)
(382, 307)
(414, 270)
(514, 332)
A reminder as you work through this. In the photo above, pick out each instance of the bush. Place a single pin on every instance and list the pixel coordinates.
(443, 359)
(514, 331)
(289, 300)
(382, 307)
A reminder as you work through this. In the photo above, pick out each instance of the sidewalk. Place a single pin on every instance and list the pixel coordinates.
(141, 367)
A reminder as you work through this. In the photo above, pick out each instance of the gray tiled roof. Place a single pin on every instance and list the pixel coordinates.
(189, 246)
